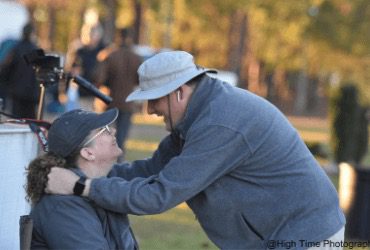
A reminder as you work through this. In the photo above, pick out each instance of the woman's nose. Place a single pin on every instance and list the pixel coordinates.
(113, 131)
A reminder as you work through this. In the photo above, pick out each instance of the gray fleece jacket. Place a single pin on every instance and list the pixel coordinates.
(72, 222)
(243, 170)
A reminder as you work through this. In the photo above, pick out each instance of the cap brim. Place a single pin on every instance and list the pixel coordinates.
(105, 118)
(151, 94)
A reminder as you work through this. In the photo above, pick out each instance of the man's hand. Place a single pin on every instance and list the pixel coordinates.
(61, 181)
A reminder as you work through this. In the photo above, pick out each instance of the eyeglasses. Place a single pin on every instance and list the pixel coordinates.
(105, 128)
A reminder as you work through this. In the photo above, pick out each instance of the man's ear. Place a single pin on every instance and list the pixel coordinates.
(185, 91)
(87, 154)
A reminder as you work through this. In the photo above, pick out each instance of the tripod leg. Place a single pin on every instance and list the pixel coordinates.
(41, 102)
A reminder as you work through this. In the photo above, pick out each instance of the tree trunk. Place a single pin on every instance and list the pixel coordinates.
(238, 33)
(137, 22)
(166, 12)
(52, 24)
(268, 78)
(110, 20)
(301, 94)
(254, 83)
(312, 95)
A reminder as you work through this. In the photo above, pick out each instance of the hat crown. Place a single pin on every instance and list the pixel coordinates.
(164, 73)
(165, 67)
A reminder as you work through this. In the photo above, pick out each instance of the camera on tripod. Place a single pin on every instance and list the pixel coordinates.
(48, 68)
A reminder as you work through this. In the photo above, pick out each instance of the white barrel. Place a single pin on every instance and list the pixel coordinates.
(18, 146)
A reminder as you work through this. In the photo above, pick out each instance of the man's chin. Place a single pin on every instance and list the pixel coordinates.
(167, 125)
(168, 129)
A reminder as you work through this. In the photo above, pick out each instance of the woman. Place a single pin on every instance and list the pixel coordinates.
(85, 143)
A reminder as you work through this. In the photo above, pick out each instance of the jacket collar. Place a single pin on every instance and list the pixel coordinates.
(78, 171)
(198, 102)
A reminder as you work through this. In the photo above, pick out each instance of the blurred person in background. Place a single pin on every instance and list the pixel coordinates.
(85, 61)
(5, 48)
(24, 90)
(118, 72)
(81, 59)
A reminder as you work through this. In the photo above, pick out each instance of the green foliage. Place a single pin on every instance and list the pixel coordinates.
(280, 36)
(321, 37)
(349, 138)
(344, 25)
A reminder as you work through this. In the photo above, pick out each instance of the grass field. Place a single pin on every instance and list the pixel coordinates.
(177, 229)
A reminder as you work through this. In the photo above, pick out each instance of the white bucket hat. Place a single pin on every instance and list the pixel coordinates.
(164, 73)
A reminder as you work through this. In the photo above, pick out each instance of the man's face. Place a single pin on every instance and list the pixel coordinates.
(160, 107)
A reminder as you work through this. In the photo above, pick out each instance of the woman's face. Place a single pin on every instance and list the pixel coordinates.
(104, 146)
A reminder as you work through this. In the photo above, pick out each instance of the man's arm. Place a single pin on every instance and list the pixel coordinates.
(208, 155)
(62, 181)
(169, 147)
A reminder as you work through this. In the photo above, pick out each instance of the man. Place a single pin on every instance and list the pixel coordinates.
(243, 169)
(119, 72)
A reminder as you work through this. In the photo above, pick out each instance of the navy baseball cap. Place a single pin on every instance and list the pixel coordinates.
(68, 131)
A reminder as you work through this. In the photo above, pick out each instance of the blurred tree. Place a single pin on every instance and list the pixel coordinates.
(262, 41)
(109, 19)
(340, 31)
(58, 22)
(138, 9)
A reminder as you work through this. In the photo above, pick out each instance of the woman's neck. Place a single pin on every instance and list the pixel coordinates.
(94, 169)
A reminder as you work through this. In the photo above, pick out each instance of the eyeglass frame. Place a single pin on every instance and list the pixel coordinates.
(105, 128)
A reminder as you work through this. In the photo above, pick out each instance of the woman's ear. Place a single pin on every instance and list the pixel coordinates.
(87, 154)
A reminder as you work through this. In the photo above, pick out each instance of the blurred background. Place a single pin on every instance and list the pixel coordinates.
(311, 58)
(291, 52)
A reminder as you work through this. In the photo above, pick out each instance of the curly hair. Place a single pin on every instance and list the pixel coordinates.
(38, 170)
(37, 173)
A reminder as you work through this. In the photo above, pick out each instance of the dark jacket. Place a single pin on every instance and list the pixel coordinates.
(72, 222)
(119, 72)
(18, 74)
(86, 59)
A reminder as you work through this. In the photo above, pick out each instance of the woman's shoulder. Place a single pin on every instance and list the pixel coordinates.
(55, 203)
(59, 209)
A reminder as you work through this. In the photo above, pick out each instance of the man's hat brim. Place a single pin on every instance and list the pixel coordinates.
(151, 94)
